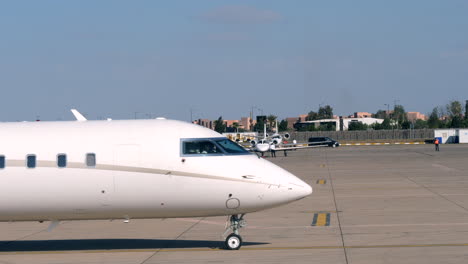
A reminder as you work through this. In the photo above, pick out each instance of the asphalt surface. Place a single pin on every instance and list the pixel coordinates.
(371, 204)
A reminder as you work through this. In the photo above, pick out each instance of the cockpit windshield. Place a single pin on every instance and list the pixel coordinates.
(211, 146)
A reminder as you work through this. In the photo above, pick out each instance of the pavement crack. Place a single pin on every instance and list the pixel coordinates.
(336, 208)
(438, 194)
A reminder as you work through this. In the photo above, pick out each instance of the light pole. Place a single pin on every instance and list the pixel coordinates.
(251, 117)
(261, 111)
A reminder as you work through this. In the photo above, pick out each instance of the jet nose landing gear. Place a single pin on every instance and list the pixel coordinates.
(234, 240)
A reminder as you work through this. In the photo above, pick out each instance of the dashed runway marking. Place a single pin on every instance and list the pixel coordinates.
(321, 181)
(321, 219)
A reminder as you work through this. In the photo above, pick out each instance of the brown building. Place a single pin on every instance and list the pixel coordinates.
(246, 122)
(204, 122)
(361, 115)
(292, 120)
(230, 123)
(413, 116)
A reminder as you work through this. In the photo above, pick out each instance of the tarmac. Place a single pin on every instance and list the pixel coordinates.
(371, 204)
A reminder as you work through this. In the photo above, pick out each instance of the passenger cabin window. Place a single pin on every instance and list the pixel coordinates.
(2, 162)
(31, 161)
(61, 160)
(200, 147)
(91, 160)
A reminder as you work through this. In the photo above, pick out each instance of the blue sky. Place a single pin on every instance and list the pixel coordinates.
(220, 58)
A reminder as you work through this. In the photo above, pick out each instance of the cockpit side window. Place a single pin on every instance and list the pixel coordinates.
(191, 147)
(230, 147)
(210, 147)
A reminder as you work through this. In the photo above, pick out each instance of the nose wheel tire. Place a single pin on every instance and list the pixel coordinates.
(233, 242)
(234, 224)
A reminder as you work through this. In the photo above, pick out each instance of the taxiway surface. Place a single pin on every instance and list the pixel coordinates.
(371, 204)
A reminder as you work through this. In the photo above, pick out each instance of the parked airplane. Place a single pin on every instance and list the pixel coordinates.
(77, 170)
(267, 142)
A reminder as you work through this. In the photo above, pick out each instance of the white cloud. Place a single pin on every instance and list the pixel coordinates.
(240, 15)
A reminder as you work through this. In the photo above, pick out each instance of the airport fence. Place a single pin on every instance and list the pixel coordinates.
(368, 135)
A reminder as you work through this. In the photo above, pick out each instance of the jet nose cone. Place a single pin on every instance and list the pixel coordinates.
(299, 190)
(308, 190)
(303, 191)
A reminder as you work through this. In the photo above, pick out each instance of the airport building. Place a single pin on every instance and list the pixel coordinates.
(340, 124)
(452, 135)
(293, 120)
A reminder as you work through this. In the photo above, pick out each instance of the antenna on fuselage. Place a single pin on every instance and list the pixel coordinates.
(79, 117)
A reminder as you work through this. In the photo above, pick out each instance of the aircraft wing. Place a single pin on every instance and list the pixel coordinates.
(297, 146)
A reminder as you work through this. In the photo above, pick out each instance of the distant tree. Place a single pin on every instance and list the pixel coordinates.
(466, 112)
(271, 121)
(259, 125)
(283, 125)
(399, 115)
(454, 108)
(353, 126)
(382, 114)
(456, 122)
(325, 112)
(328, 126)
(420, 124)
(386, 124)
(235, 125)
(406, 124)
(300, 128)
(220, 127)
(312, 116)
(434, 121)
(312, 128)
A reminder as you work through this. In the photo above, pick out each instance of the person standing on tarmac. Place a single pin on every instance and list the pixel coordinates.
(436, 143)
(273, 150)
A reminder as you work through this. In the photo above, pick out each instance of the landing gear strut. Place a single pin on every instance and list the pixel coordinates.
(234, 223)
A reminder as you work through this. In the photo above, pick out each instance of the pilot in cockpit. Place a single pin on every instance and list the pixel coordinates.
(208, 148)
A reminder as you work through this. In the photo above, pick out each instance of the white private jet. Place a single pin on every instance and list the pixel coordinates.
(266, 143)
(128, 169)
